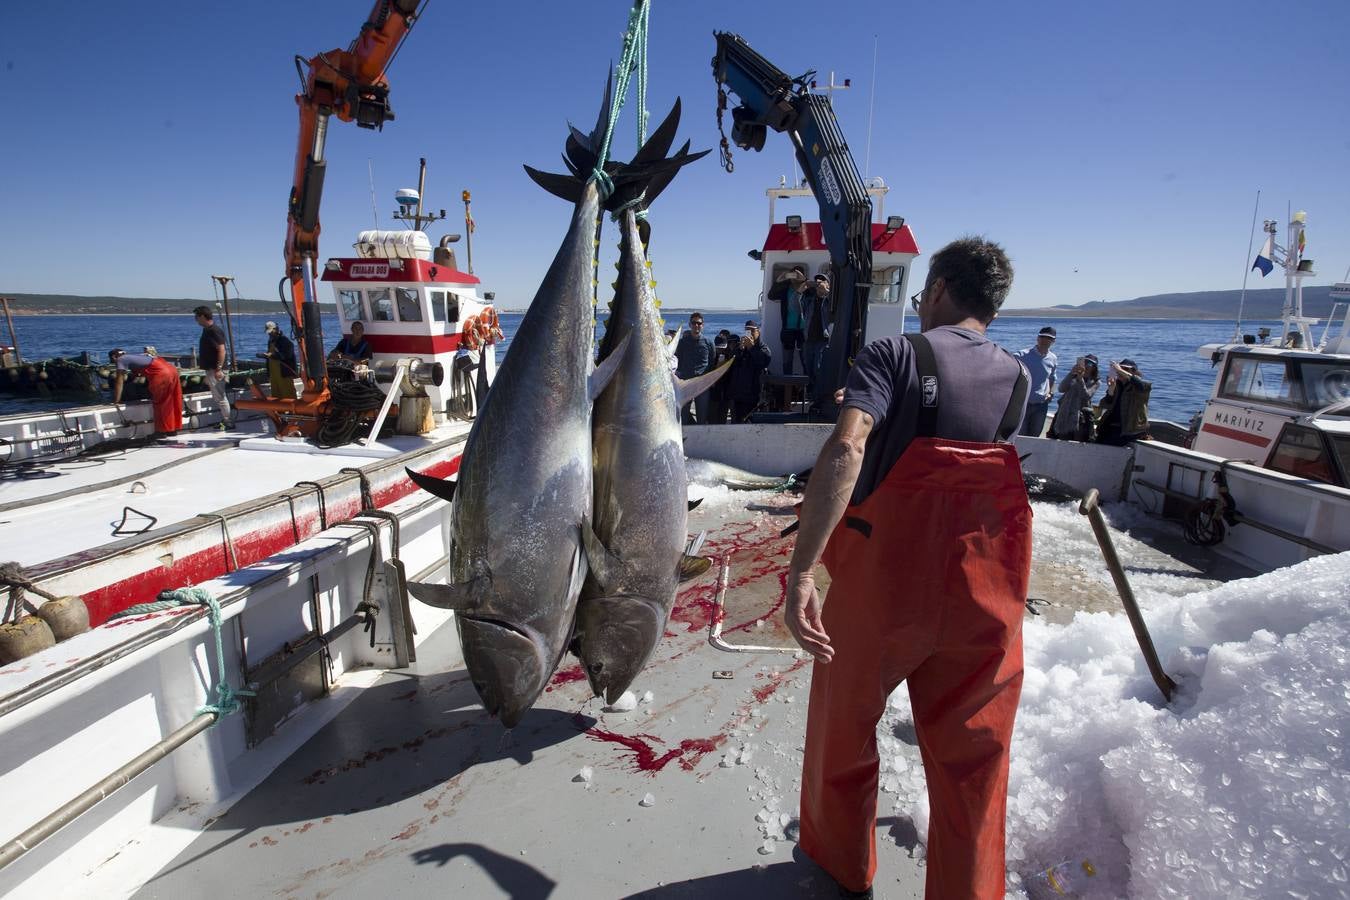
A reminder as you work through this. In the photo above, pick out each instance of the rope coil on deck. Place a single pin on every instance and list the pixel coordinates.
(227, 696)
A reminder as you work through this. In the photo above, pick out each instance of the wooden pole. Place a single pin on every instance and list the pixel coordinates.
(13, 335)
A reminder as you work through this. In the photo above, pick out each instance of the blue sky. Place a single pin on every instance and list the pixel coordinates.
(147, 145)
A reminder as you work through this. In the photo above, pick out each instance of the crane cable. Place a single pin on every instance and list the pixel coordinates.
(632, 59)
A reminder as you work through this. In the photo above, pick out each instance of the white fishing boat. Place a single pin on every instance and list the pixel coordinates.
(286, 722)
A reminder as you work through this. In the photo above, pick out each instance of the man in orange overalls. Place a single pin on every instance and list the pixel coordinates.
(161, 382)
(923, 523)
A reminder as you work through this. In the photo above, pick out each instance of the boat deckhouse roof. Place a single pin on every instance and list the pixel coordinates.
(400, 270)
(808, 237)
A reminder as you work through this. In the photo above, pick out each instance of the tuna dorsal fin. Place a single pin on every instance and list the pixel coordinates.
(443, 489)
(458, 597)
(605, 566)
(608, 366)
(691, 567)
(688, 390)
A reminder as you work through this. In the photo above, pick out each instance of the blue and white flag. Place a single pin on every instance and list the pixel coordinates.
(1263, 259)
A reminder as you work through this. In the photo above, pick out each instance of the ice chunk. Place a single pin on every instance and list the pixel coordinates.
(647, 800)
(648, 697)
(766, 848)
(584, 774)
(627, 702)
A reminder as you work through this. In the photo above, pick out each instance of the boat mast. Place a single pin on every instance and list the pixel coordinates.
(1296, 268)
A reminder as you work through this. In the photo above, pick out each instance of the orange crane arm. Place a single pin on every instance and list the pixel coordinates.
(351, 85)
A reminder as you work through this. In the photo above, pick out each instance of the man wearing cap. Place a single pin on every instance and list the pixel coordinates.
(819, 318)
(747, 373)
(281, 369)
(1040, 363)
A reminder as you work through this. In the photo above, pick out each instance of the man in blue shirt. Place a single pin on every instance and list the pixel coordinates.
(1040, 363)
(693, 354)
(790, 289)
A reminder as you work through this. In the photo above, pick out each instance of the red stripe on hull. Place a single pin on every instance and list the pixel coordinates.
(1234, 435)
(249, 547)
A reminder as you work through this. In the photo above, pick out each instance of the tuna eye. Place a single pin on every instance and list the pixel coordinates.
(596, 668)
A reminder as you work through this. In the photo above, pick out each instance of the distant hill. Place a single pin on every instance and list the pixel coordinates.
(1265, 303)
(70, 305)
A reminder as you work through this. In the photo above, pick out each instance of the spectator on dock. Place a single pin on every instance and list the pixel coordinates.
(161, 381)
(1123, 415)
(281, 368)
(819, 322)
(725, 346)
(746, 378)
(211, 357)
(1074, 420)
(354, 348)
(1040, 362)
(694, 353)
(917, 507)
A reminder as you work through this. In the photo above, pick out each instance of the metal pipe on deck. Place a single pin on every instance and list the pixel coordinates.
(69, 812)
(13, 335)
(1090, 508)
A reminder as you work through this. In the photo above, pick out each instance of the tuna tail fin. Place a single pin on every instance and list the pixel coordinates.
(443, 489)
(688, 390)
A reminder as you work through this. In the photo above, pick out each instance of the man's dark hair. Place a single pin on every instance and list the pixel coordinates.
(204, 312)
(357, 324)
(115, 353)
(977, 272)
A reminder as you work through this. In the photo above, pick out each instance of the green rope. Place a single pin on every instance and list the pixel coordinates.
(633, 58)
(227, 698)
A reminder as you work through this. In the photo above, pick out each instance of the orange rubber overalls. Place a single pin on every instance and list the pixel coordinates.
(166, 393)
(928, 585)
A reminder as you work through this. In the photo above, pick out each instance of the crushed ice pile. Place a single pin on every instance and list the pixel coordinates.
(1240, 789)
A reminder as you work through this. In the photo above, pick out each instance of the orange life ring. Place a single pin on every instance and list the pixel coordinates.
(470, 336)
(493, 329)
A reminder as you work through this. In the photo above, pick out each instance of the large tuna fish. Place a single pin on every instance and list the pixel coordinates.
(523, 494)
(636, 554)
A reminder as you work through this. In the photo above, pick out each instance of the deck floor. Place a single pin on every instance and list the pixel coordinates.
(413, 791)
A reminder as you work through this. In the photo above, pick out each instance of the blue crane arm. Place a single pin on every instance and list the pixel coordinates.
(770, 98)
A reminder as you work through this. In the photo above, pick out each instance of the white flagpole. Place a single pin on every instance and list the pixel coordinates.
(1246, 270)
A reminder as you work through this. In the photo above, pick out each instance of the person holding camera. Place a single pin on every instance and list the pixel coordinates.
(1073, 419)
(1122, 417)
(747, 373)
(791, 291)
(725, 346)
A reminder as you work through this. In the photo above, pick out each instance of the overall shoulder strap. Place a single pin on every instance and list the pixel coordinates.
(926, 364)
(1012, 416)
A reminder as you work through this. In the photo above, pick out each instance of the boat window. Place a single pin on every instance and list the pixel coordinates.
(1326, 383)
(381, 306)
(1263, 380)
(1340, 446)
(886, 283)
(452, 312)
(438, 306)
(352, 309)
(1301, 452)
(409, 305)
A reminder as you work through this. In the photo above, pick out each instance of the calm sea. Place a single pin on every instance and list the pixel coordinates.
(1165, 349)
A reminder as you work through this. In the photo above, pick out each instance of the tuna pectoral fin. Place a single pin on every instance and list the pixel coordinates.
(448, 596)
(688, 390)
(443, 489)
(608, 366)
(605, 566)
(675, 339)
(693, 566)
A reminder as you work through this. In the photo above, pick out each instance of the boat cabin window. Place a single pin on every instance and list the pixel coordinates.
(381, 305)
(1301, 452)
(352, 308)
(444, 306)
(1326, 383)
(409, 305)
(886, 283)
(1263, 380)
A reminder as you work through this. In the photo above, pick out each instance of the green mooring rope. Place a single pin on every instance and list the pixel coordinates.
(227, 698)
(633, 58)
